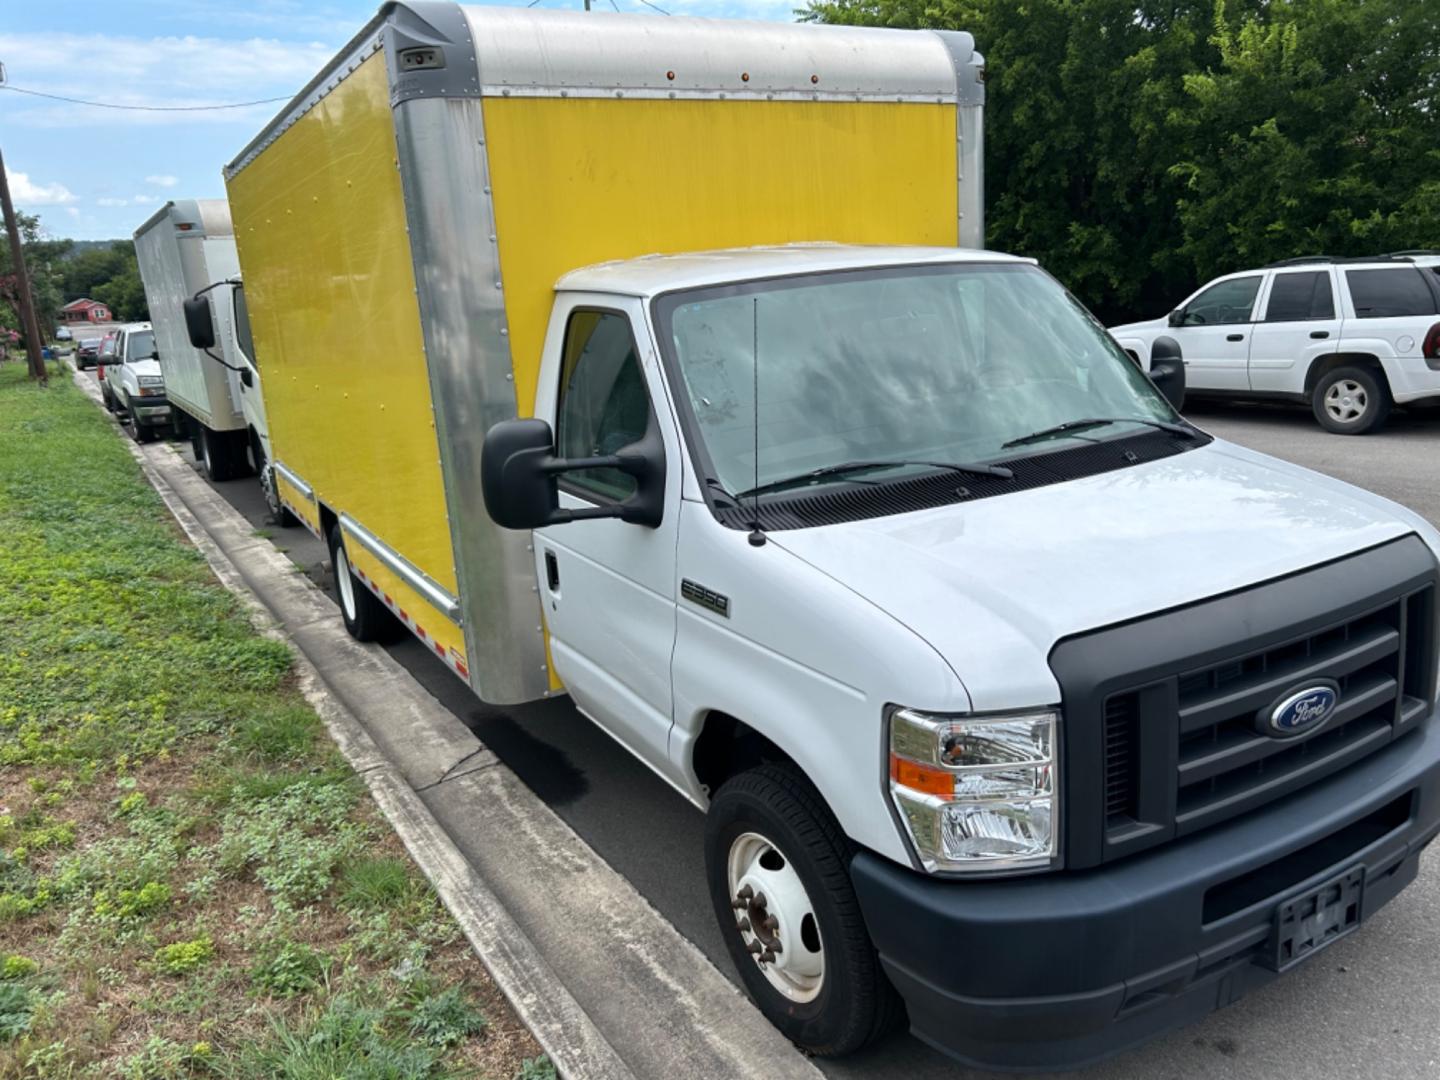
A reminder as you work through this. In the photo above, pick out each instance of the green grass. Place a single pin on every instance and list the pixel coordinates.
(192, 881)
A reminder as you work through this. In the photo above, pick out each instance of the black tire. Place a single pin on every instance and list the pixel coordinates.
(107, 397)
(281, 516)
(1351, 400)
(366, 618)
(141, 433)
(222, 454)
(855, 1002)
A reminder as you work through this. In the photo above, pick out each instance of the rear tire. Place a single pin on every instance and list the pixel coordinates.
(222, 454)
(768, 828)
(282, 517)
(366, 618)
(1351, 401)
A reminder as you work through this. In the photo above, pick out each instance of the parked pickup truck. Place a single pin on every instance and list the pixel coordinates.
(654, 376)
(132, 385)
(1348, 337)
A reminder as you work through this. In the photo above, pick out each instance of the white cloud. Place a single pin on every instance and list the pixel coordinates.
(26, 192)
(159, 71)
(73, 211)
(162, 181)
(108, 200)
(144, 200)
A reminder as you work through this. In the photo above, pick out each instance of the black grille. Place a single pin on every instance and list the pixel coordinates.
(1122, 712)
(832, 504)
(1161, 714)
(1226, 765)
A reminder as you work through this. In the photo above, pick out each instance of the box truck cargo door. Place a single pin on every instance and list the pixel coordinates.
(608, 586)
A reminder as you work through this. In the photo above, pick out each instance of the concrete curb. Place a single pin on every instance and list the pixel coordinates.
(609, 987)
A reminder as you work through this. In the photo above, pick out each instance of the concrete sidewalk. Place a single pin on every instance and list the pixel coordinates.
(608, 985)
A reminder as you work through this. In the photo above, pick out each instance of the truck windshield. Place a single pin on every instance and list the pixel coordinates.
(919, 364)
(141, 346)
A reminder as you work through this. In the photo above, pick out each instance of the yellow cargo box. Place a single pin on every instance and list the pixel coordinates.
(402, 223)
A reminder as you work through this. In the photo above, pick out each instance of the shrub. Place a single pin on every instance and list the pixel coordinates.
(183, 957)
(17, 967)
(289, 969)
(444, 1019)
(17, 1009)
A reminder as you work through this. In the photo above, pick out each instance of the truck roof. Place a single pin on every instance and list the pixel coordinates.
(650, 275)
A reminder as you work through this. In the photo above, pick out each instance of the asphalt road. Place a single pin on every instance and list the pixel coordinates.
(1370, 1006)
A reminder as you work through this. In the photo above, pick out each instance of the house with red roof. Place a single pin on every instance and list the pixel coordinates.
(85, 310)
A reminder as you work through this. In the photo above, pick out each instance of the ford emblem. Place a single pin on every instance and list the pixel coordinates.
(1300, 711)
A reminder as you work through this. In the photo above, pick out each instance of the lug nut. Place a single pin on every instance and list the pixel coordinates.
(771, 924)
(752, 947)
(759, 898)
(739, 905)
(767, 956)
(744, 925)
(746, 893)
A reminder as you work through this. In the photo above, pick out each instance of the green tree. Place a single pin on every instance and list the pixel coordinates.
(1137, 147)
(44, 256)
(125, 294)
(1318, 130)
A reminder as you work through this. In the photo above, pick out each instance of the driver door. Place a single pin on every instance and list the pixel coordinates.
(608, 587)
(1215, 333)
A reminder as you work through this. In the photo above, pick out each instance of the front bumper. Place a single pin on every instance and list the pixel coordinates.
(152, 410)
(1057, 971)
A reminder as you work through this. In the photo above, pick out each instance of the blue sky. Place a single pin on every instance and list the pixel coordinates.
(98, 173)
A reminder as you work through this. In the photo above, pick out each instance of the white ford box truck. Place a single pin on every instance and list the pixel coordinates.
(655, 362)
(184, 248)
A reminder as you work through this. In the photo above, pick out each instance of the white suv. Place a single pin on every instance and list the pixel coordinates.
(1349, 337)
(131, 382)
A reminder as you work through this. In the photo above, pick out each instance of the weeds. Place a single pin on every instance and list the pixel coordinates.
(191, 882)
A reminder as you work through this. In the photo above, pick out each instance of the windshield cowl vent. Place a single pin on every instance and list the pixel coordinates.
(836, 503)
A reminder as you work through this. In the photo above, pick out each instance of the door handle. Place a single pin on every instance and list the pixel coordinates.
(1234, 337)
(1319, 334)
(552, 572)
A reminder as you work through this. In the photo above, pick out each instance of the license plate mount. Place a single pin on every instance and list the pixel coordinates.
(1316, 919)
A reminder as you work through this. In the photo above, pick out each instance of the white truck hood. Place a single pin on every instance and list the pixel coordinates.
(1162, 323)
(992, 585)
(145, 367)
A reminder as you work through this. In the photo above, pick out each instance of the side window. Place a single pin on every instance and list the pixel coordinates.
(1299, 296)
(242, 326)
(1386, 294)
(1226, 302)
(603, 404)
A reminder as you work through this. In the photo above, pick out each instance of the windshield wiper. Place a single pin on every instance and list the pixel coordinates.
(837, 471)
(1080, 425)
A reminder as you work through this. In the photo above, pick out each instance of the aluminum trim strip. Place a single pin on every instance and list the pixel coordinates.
(294, 481)
(438, 597)
(554, 53)
(444, 172)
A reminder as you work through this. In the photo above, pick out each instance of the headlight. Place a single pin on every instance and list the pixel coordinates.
(977, 793)
(151, 380)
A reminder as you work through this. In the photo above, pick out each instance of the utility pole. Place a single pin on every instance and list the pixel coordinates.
(33, 342)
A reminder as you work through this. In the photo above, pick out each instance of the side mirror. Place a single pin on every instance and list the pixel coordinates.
(1167, 370)
(199, 322)
(1177, 317)
(519, 477)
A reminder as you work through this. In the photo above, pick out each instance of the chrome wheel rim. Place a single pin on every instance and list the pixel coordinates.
(272, 494)
(345, 583)
(1346, 401)
(775, 917)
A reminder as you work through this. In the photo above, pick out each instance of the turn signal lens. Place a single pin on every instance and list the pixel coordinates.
(1431, 346)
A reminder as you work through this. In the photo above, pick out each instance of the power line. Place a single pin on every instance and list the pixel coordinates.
(144, 108)
(657, 7)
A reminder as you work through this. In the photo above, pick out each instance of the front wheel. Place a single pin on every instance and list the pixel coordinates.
(778, 867)
(1351, 401)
